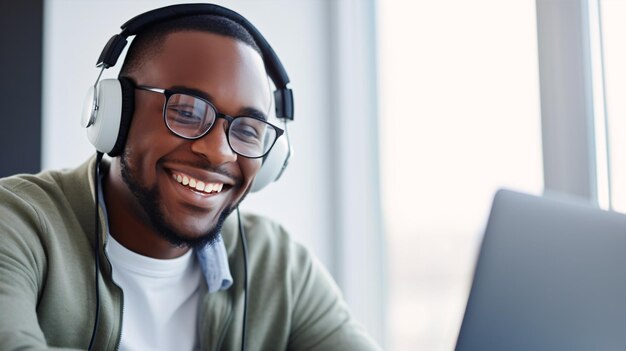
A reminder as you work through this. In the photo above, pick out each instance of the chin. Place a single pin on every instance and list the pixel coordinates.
(196, 235)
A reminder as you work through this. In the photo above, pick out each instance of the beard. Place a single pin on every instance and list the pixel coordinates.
(150, 201)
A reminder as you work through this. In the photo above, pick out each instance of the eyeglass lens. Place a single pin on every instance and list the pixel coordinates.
(191, 117)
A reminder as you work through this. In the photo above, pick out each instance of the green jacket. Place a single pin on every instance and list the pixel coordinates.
(47, 293)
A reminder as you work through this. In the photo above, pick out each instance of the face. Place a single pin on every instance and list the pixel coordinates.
(160, 168)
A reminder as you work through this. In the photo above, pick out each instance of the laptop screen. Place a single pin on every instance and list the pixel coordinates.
(551, 275)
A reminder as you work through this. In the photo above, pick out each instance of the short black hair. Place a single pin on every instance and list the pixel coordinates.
(150, 40)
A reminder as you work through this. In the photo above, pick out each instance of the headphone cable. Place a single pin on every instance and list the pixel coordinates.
(97, 248)
(244, 246)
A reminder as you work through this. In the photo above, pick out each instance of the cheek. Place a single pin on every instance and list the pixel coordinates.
(249, 169)
(148, 140)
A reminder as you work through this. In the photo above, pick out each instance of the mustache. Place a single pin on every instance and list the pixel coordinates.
(206, 166)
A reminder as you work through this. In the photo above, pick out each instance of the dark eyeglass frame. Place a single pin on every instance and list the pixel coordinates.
(170, 92)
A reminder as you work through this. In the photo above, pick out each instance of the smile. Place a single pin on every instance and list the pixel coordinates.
(198, 185)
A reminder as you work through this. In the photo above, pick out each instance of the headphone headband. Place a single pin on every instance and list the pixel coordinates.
(114, 47)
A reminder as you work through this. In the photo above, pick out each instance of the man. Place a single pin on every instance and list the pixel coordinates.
(171, 270)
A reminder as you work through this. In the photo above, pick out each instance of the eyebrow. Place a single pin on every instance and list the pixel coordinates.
(252, 112)
(246, 111)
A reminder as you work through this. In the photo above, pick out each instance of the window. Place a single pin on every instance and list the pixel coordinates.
(459, 118)
(613, 31)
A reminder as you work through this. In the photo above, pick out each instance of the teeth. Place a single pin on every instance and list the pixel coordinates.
(209, 187)
(197, 184)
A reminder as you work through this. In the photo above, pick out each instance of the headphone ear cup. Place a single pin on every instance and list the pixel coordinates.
(126, 115)
(273, 165)
(106, 123)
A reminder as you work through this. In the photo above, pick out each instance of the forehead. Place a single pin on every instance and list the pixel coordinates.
(228, 70)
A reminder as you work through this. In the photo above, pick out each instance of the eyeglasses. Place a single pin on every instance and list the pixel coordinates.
(192, 117)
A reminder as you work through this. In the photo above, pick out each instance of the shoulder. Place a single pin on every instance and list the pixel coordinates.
(33, 205)
(263, 230)
(23, 196)
(278, 265)
(45, 187)
(292, 292)
(266, 239)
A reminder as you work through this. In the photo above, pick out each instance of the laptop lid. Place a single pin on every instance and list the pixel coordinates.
(551, 275)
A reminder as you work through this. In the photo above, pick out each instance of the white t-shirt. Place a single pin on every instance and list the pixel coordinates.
(160, 299)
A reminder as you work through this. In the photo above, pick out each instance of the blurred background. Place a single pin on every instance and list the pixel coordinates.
(409, 116)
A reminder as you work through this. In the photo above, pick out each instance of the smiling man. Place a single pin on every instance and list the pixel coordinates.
(181, 175)
(173, 269)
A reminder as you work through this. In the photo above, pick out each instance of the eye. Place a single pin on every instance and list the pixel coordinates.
(247, 130)
(184, 115)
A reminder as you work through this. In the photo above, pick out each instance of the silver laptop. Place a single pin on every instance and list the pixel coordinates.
(551, 275)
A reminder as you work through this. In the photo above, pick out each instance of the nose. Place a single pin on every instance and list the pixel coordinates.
(214, 145)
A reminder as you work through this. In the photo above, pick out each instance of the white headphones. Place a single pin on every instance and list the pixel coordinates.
(109, 105)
